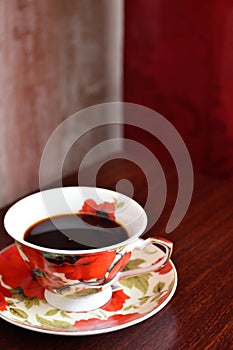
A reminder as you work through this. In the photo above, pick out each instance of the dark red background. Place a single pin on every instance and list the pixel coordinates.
(179, 61)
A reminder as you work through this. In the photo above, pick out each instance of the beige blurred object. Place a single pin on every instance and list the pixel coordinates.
(56, 57)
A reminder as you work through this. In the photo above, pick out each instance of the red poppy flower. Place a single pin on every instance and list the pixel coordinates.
(91, 207)
(38, 262)
(15, 274)
(36, 258)
(91, 266)
(12, 267)
(117, 301)
(62, 268)
(163, 298)
(112, 321)
(86, 267)
(42, 270)
(3, 302)
(32, 289)
(4, 293)
(120, 265)
(165, 269)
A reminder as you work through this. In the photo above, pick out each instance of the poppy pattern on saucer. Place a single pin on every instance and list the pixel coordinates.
(133, 300)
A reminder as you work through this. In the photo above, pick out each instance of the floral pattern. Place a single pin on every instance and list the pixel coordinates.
(134, 299)
(112, 321)
(106, 209)
(14, 273)
(3, 294)
(117, 301)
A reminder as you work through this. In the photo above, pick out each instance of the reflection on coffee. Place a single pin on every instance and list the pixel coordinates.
(75, 232)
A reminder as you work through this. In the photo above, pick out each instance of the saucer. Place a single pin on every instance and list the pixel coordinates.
(134, 299)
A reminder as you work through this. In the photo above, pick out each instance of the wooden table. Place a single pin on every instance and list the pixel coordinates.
(199, 316)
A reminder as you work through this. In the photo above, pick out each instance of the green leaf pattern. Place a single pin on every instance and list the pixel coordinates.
(145, 292)
(18, 312)
(158, 287)
(18, 294)
(52, 312)
(118, 205)
(141, 282)
(134, 264)
(54, 324)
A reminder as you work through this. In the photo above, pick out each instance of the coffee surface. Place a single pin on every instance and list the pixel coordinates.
(76, 232)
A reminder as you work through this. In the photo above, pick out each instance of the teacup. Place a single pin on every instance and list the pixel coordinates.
(81, 279)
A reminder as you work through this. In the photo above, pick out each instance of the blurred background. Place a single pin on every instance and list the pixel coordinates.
(58, 57)
(178, 61)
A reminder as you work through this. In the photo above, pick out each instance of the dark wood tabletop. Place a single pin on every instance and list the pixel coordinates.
(199, 316)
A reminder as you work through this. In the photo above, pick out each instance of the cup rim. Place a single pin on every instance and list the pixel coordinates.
(77, 251)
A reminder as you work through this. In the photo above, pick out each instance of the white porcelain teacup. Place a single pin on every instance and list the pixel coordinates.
(81, 280)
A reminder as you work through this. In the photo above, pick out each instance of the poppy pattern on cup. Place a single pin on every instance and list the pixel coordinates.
(68, 274)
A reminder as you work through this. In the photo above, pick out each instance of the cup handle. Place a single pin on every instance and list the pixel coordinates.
(168, 245)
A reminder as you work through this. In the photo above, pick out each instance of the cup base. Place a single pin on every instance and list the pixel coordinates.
(79, 304)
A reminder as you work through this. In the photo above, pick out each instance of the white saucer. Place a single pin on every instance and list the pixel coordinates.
(134, 299)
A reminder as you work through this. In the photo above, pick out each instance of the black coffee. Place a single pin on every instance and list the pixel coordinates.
(75, 232)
